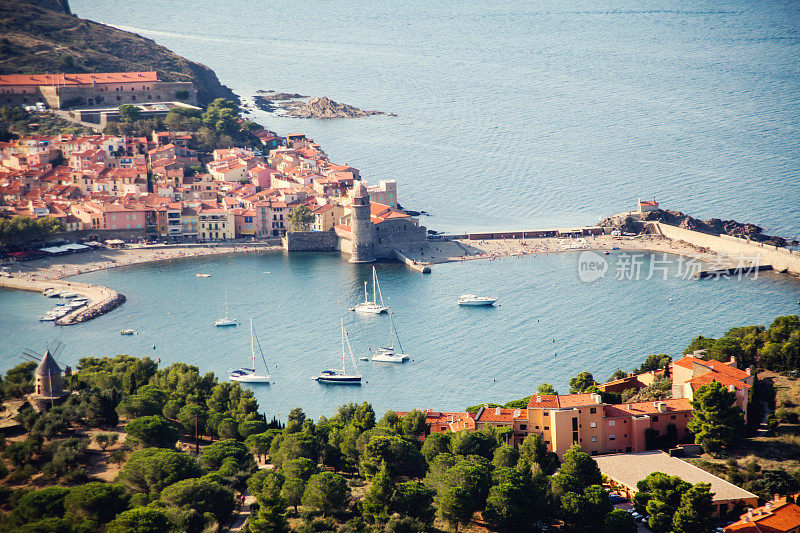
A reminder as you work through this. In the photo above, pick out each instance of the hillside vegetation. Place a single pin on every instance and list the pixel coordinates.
(37, 40)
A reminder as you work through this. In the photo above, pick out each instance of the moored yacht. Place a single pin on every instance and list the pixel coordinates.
(371, 306)
(471, 299)
(389, 354)
(249, 375)
(341, 377)
(227, 320)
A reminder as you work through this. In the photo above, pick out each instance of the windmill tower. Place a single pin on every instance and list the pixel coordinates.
(48, 386)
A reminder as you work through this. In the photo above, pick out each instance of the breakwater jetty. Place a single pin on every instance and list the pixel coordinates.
(102, 299)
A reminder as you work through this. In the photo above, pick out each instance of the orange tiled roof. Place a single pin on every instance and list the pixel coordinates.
(505, 415)
(646, 408)
(705, 379)
(550, 401)
(77, 79)
(783, 517)
(689, 361)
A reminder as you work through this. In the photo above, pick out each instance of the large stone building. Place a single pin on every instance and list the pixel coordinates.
(371, 231)
(100, 89)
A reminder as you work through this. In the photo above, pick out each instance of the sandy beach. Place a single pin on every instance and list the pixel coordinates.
(467, 250)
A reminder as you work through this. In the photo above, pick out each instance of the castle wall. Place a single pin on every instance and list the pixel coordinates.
(397, 234)
(310, 241)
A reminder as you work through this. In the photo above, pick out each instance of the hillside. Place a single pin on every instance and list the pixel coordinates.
(35, 39)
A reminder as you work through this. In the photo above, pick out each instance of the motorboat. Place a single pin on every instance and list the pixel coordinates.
(75, 305)
(341, 377)
(203, 275)
(471, 299)
(389, 354)
(69, 295)
(50, 292)
(371, 306)
(227, 320)
(127, 332)
(249, 375)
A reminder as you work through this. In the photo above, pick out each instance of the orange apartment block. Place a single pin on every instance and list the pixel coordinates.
(779, 515)
(690, 373)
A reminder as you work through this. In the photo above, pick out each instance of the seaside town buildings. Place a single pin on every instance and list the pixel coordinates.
(117, 187)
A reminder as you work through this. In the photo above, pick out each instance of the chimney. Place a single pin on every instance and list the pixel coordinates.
(497, 411)
(749, 371)
(538, 399)
(630, 406)
(517, 413)
(662, 407)
(768, 506)
(732, 362)
(486, 406)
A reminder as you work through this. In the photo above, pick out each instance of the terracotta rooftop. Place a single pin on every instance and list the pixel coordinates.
(77, 79)
(550, 401)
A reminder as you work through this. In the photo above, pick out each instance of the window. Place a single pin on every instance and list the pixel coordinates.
(655, 419)
(673, 417)
(594, 439)
(536, 427)
(593, 425)
(593, 410)
(612, 423)
(546, 413)
(547, 428)
(523, 427)
(574, 424)
(612, 437)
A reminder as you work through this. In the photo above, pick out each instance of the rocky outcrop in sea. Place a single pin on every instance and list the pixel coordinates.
(288, 104)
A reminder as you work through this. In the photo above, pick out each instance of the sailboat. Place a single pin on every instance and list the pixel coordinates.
(249, 375)
(341, 377)
(389, 355)
(227, 321)
(371, 307)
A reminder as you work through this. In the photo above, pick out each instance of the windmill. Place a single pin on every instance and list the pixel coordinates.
(48, 381)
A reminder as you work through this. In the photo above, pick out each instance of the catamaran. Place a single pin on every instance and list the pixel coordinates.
(371, 307)
(227, 321)
(341, 377)
(249, 375)
(389, 355)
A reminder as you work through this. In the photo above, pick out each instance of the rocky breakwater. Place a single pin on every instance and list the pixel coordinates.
(111, 302)
(637, 223)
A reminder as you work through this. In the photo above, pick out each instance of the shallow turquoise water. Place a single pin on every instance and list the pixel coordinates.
(460, 356)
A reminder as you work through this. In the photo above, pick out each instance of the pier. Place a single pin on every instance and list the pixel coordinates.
(423, 267)
(734, 272)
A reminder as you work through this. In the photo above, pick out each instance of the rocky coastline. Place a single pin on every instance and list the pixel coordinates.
(635, 223)
(295, 105)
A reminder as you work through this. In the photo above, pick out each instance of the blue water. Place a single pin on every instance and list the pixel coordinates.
(460, 356)
(511, 115)
(516, 114)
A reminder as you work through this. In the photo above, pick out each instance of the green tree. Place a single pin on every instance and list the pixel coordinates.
(575, 510)
(152, 469)
(599, 504)
(658, 497)
(292, 491)
(377, 500)
(618, 374)
(505, 455)
(104, 440)
(152, 431)
(326, 492)
(473, 443)
(140, 520)
(129, 113)
(414, 424)
(581, 382)
(100, 411)
(400, 456)
(39, 504)
(534, 451)
(191, 414)
(300, 468)
(215, 454)
(259, 443)
(581, 466)
(455, 507)
(19, 380)
(619, 521)
(415, 500)
(300, 218)
(271, 505)
(695, 512)
(202, 496)
(436, 443)
(716, 422)
(546, 388)
(96, 502)
(508, 507)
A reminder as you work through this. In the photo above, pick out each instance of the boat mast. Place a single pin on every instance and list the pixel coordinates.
(343, 334)
(350, 349)
(374, 293)
(252, 346)
(366, 298)
(391, 329)
(375, 280)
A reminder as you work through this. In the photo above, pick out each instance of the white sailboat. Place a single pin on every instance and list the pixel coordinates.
(389, 354)
(249, 375)
(227, 321)
(341, 377)
(371, 306)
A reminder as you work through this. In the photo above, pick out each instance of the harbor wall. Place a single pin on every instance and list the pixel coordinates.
(310, 241)
(781, 259)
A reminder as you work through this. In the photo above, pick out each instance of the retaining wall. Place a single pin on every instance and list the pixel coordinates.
(781, 259)
(310, 241)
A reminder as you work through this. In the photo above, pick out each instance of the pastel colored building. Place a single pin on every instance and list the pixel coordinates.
(690, 373)
(779, 515)
(216, 224)
(122, 217)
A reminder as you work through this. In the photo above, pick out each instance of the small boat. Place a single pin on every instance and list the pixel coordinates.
(249, 375)
(389, 355)
(341, 377)
(203, 275)
(227, 320)
(371, 306)
(48, 318)
(75, 305)
(69, 295)
(49, 291)
(127, 332)
(471, 299)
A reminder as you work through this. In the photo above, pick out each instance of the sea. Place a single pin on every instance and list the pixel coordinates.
(510, 115)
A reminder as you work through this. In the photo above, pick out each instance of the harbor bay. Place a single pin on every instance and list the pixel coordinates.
(537, 332)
